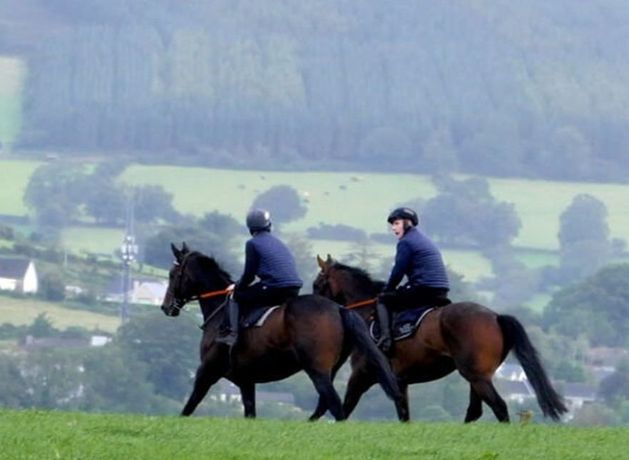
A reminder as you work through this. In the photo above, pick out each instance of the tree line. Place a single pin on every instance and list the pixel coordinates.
(454, 86)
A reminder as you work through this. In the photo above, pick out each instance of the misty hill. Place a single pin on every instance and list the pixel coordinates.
(530, 88)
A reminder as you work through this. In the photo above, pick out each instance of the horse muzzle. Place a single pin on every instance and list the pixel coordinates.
(173, 308)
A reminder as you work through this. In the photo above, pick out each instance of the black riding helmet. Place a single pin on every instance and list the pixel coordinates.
(403, 213)
(258, 220)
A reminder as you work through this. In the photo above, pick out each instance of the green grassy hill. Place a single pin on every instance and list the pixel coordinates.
(12, 72)
(14, 177)
(23, 311)
(52, 435)
(363, 200)
(356, 199)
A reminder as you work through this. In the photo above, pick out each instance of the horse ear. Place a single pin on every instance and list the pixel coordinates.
(176, 252)
(184, 248)
(321, 262)
(329, 260)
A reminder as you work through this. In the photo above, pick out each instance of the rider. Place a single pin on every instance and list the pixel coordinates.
(271, 261)
(419, 259)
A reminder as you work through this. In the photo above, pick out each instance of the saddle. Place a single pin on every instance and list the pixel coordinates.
(256, 316)
(403, 324)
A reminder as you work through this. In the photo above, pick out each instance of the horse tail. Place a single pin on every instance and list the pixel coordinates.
(356, 328)
(515, 336)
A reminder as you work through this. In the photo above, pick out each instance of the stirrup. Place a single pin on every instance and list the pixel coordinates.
(385, 344)
(227, 339)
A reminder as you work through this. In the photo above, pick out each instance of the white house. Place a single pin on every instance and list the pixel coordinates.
(141, 291)
(148, 292)
(18, 275)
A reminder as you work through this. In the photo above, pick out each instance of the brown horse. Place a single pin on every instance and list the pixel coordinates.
(464, 336)
(310, 333)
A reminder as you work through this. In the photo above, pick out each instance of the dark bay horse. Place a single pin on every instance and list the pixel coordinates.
(310, 333)
(464, 336)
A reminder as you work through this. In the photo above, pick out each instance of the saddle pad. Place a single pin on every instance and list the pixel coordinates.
(405, 323)
(257, 316)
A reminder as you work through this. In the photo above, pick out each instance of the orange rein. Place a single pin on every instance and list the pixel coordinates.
(362, 303)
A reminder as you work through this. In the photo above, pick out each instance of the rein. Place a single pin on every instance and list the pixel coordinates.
(208, 295)
(362, 303)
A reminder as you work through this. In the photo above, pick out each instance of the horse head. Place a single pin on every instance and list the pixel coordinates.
(325, 284)
(193, 275)
(344, 284)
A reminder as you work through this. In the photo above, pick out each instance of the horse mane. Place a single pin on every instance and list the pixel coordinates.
(363, 279)
(208, 262)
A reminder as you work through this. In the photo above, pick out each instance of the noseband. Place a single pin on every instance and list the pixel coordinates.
(178, 302)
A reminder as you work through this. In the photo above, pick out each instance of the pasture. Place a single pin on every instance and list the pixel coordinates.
(14, 177)
(52, 435)
(357, 199)
(363, 199)
(19, 311)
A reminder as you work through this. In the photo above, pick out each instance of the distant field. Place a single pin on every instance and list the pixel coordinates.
(539, 204)
(14, 177)
(363, 199)
(24, 311)
(349, 198)
(51, 435)
(357, 199)
(92, 239)
(12, 72)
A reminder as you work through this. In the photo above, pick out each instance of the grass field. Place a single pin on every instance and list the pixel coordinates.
(58, 435)
(362, 200)
(12, 72)
(14, 177)
(21, 312)
(92, 239)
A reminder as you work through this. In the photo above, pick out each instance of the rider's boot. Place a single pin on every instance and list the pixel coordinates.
(385, 327)
(230, 336)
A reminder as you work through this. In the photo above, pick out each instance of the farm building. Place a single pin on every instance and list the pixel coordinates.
(18, 275)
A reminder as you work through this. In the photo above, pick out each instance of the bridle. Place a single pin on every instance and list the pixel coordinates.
(179, 302)
(325, 285)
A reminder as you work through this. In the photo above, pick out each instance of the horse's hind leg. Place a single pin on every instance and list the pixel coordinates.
(475, 408)
(322, 406)
(401, 406)
(248, 393)
(206, 376)
(328, 396)
(487, 392)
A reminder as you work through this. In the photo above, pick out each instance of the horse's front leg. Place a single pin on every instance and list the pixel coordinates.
(209, 372)
(248, 393)
(321, 409)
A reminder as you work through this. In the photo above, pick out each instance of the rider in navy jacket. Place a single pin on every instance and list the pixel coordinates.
(420, 261)
(271, 261)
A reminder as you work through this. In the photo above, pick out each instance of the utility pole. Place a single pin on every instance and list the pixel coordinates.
(128, 254)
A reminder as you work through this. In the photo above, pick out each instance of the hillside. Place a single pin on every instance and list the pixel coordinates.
(20, 312)
(502, 88)
(359, 200)
(365, 197)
